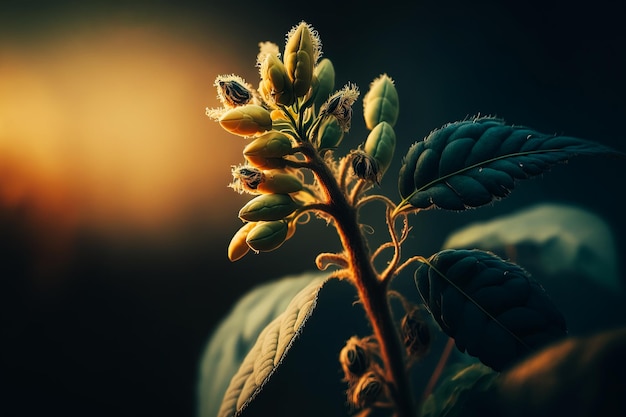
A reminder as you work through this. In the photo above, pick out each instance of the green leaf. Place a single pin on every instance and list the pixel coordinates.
(549, 240)
(270, 348)
(459, 392)
(472, 162)
(231, 341)
(492, 308)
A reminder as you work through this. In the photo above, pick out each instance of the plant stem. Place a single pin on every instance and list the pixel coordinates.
(372, 291)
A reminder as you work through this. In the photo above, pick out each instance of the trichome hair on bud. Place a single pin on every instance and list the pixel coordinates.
(368, 391)
(355, 358)
(340, 105)
(315, 39)
(233, 91)
(365, 166)
(246, 179)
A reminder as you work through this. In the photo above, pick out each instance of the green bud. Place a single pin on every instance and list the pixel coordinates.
(272, 144)
(323, 82)
(276, 182)
(267, 236)
(238, 246)
(268, 207)
(276, 86)
(380, 144)
(381, 103)
(248, 120)
(329, 134)
(302, 51)
(266, 163)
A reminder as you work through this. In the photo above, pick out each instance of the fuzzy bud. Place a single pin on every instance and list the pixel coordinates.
(381, 103)
(268, 207)
(381, 144)
(275, 86)
(266, 236)
(248, 120)
(302, 50)
(238, 246)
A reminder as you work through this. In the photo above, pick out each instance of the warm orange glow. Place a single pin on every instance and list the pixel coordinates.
(107, 129)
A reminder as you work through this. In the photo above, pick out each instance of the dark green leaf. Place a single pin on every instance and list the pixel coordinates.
(470, 163)
(492, 308)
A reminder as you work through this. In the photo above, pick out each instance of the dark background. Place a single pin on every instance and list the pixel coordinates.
(104, 314)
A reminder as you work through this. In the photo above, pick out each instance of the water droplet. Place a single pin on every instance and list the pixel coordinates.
(529, 137)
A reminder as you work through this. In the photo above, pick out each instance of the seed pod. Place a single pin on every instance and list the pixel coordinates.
(380, 144)
(329, 134)
(368, 390)
(354, 358)
(276, 182)
(267, 236)
(238, 246)
(275, 86)
(323, 83)
(381, 103)
(302, 51)
(272, 144)
(268, 207)
(248, 120)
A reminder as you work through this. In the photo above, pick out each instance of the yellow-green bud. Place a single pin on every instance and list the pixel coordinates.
(248, 120)
(275, 182)
(323, 82)
(267, 236)
(266, 163)
(272, 144)
(238, 246)
(380, 144)
(302, 51)
(329, 134)
(381, 103)
(268, 207)
(276, 86)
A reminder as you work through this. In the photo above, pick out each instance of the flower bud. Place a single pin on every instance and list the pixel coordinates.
(248, 120)
(323, 82)
(354, 358)
(238, 246)
(268, 207)
(272, 144)
(276, 182)
(329, 134)
(415, 334)
(302, 51)
(340, 105)
(365, 166)
(380, 144)
(266, 163)
(246, 178)
(275, 85)
(368, 390)
(381, 103)
(267, 236)
(233, 91)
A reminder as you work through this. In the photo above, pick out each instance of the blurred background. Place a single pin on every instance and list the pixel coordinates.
(114, 211)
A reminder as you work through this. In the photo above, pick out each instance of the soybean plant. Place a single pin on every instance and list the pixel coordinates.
(293, 125)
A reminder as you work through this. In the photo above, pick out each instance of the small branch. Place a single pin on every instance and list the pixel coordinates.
(443, 359)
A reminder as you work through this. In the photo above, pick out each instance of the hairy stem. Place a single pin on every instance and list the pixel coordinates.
(372, 291)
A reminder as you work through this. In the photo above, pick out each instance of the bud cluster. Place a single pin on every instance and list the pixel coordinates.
(296, 106)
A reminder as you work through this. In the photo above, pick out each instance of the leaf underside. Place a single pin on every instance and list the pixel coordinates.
(470, 163)
(492, 308)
